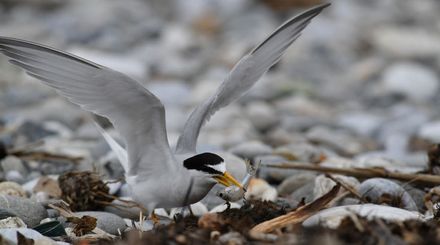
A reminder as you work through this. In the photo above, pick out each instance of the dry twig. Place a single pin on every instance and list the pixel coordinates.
(418, 179)
(294, 217)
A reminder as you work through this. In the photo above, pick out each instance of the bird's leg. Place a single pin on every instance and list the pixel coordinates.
(228, 205)
(179, 216)
(245, 201)
(190, 210)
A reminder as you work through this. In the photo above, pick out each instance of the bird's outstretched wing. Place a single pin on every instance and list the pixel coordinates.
(245, 74)
(136, 113)
(119, 151)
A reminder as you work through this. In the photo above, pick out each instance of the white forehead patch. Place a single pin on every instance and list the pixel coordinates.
(221, 167)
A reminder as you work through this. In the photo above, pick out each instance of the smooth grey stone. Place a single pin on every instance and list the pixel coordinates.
(341, 141)
(306, 192)
(406, 42)
(52, 213)
(417, 195)
(363, 123)
(348, 201)
(413, 80)
(295, 182)
(33, 131)
(375, 189)
(251, 149)
(29, 211)
(12, 163)
(171, 93)
(430, 131)
(303, 152)
(275, 174)
(108, 222)
(10, 234)
(119, 208)
(262, 115)
(6, 214)
(14, 176)
(232, 237)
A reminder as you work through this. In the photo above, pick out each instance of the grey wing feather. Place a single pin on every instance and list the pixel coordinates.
(135, 112)
(119, 151)
(245, 74)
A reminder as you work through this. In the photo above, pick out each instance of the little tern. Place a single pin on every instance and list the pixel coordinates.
(158, 176)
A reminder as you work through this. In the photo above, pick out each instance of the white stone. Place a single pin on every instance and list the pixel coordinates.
(412, 80)
(407, 42)
(261, 115)
(430, 131)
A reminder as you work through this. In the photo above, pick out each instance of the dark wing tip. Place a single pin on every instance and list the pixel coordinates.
(6, 42)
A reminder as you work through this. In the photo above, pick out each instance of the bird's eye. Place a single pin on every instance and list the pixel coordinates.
(220, 194)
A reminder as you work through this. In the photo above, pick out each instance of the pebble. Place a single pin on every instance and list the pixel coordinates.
(332, 217)
(122, 211)
(338, 140)
(380, 190)
(305, 193)
(412, 80)
(234, 165)
(12, 163)
(324, 184)
(303, 152)
(29, 211)
(232, 238)
(11, 235)
(12, 222)
(261, 115)
(12, 189)
(15, 176)
(108, 222)
(274, 173)
(33, 131)
(295, 182)
(363, 123)
(406, 42)
(430, 131)
(250, 150)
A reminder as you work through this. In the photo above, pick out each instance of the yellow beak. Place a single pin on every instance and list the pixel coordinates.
(227, 180)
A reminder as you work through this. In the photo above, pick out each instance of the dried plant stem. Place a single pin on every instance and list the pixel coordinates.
(294, 217)
(347, 187)
(418, 179)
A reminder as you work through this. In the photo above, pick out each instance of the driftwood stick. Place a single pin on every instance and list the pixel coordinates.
(294, 217)
(347, 187)
(418, 179)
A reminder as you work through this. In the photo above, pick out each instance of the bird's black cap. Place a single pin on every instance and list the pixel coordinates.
(203, 161)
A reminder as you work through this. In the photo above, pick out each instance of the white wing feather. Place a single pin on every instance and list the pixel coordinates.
(245, 74)
(135, 112)
(120, 152)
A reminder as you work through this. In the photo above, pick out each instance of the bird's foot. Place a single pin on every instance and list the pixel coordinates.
(228, 205)
(190, 210)
(178, 217)
(245, 201)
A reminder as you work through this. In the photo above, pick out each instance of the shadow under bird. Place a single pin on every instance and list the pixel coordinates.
(159, 177)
